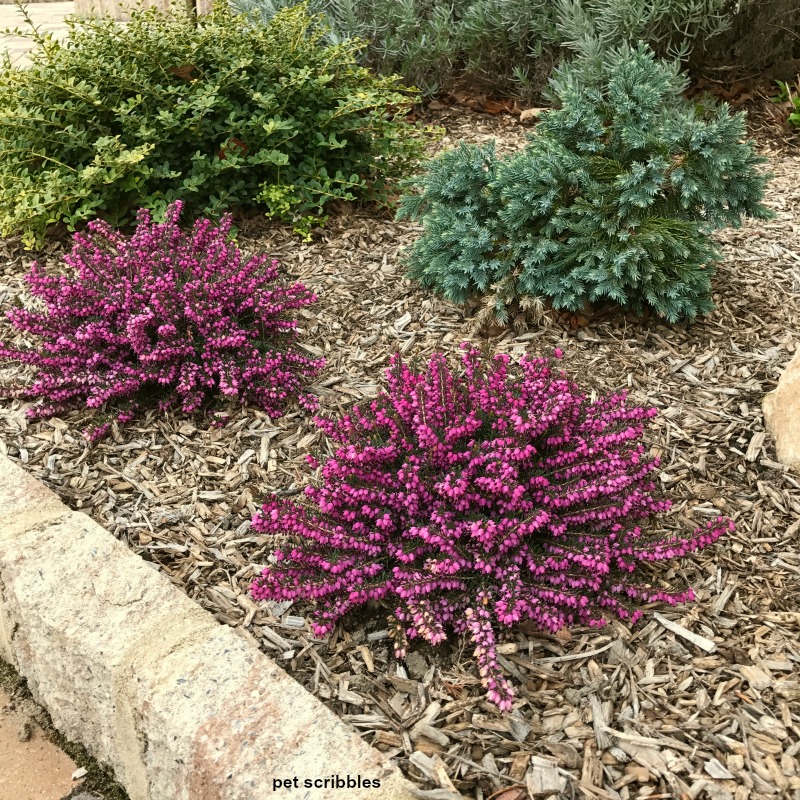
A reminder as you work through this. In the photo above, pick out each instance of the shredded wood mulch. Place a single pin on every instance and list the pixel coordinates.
(698, 701)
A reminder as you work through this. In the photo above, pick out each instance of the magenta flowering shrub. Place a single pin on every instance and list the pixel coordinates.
(179, 316)
(472, 500)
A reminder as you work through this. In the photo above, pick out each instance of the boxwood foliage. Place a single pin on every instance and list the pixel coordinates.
(219, 113)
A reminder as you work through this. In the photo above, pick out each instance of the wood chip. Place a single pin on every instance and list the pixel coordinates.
(717, 688)
(698, 641)
(716, 770)
(756, 677)
(543, 778)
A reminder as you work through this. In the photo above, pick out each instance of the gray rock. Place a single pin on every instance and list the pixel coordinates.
(24, 731)
(359, 636)
(572, 696)
(417, 665)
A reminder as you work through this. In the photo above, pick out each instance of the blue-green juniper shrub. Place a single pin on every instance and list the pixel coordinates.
(614, 197)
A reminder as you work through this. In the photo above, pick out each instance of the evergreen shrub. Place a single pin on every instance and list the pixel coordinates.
(220, 114)
(470, 499)
(673, 28)
(161, 316)
(613, 198)
(508, 46)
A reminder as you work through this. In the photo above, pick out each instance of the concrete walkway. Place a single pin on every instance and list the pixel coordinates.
(48, 17)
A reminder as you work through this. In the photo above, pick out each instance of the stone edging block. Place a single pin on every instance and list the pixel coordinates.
(781, 409)
(179, 705)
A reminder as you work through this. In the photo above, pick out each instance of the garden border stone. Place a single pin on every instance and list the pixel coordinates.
(181, 706)
(781, 409)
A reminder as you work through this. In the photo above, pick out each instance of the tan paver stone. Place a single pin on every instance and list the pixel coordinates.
(31, 767)
(120, 9)
(248, 718)
(49, 17)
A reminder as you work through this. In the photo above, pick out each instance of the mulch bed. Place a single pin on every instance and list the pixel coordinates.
(702, 700)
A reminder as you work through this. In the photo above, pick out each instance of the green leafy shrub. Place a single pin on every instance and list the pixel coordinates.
(507, 45)
(223, 114)
(614, 197)
(786, 93)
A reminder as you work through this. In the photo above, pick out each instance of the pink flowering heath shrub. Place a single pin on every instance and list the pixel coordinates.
(161, 315)
(470, 500)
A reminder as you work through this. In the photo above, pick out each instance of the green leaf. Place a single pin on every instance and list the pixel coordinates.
(163, 106)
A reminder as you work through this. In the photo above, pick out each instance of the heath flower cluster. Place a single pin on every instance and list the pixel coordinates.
(470, 500)
(163, 313)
